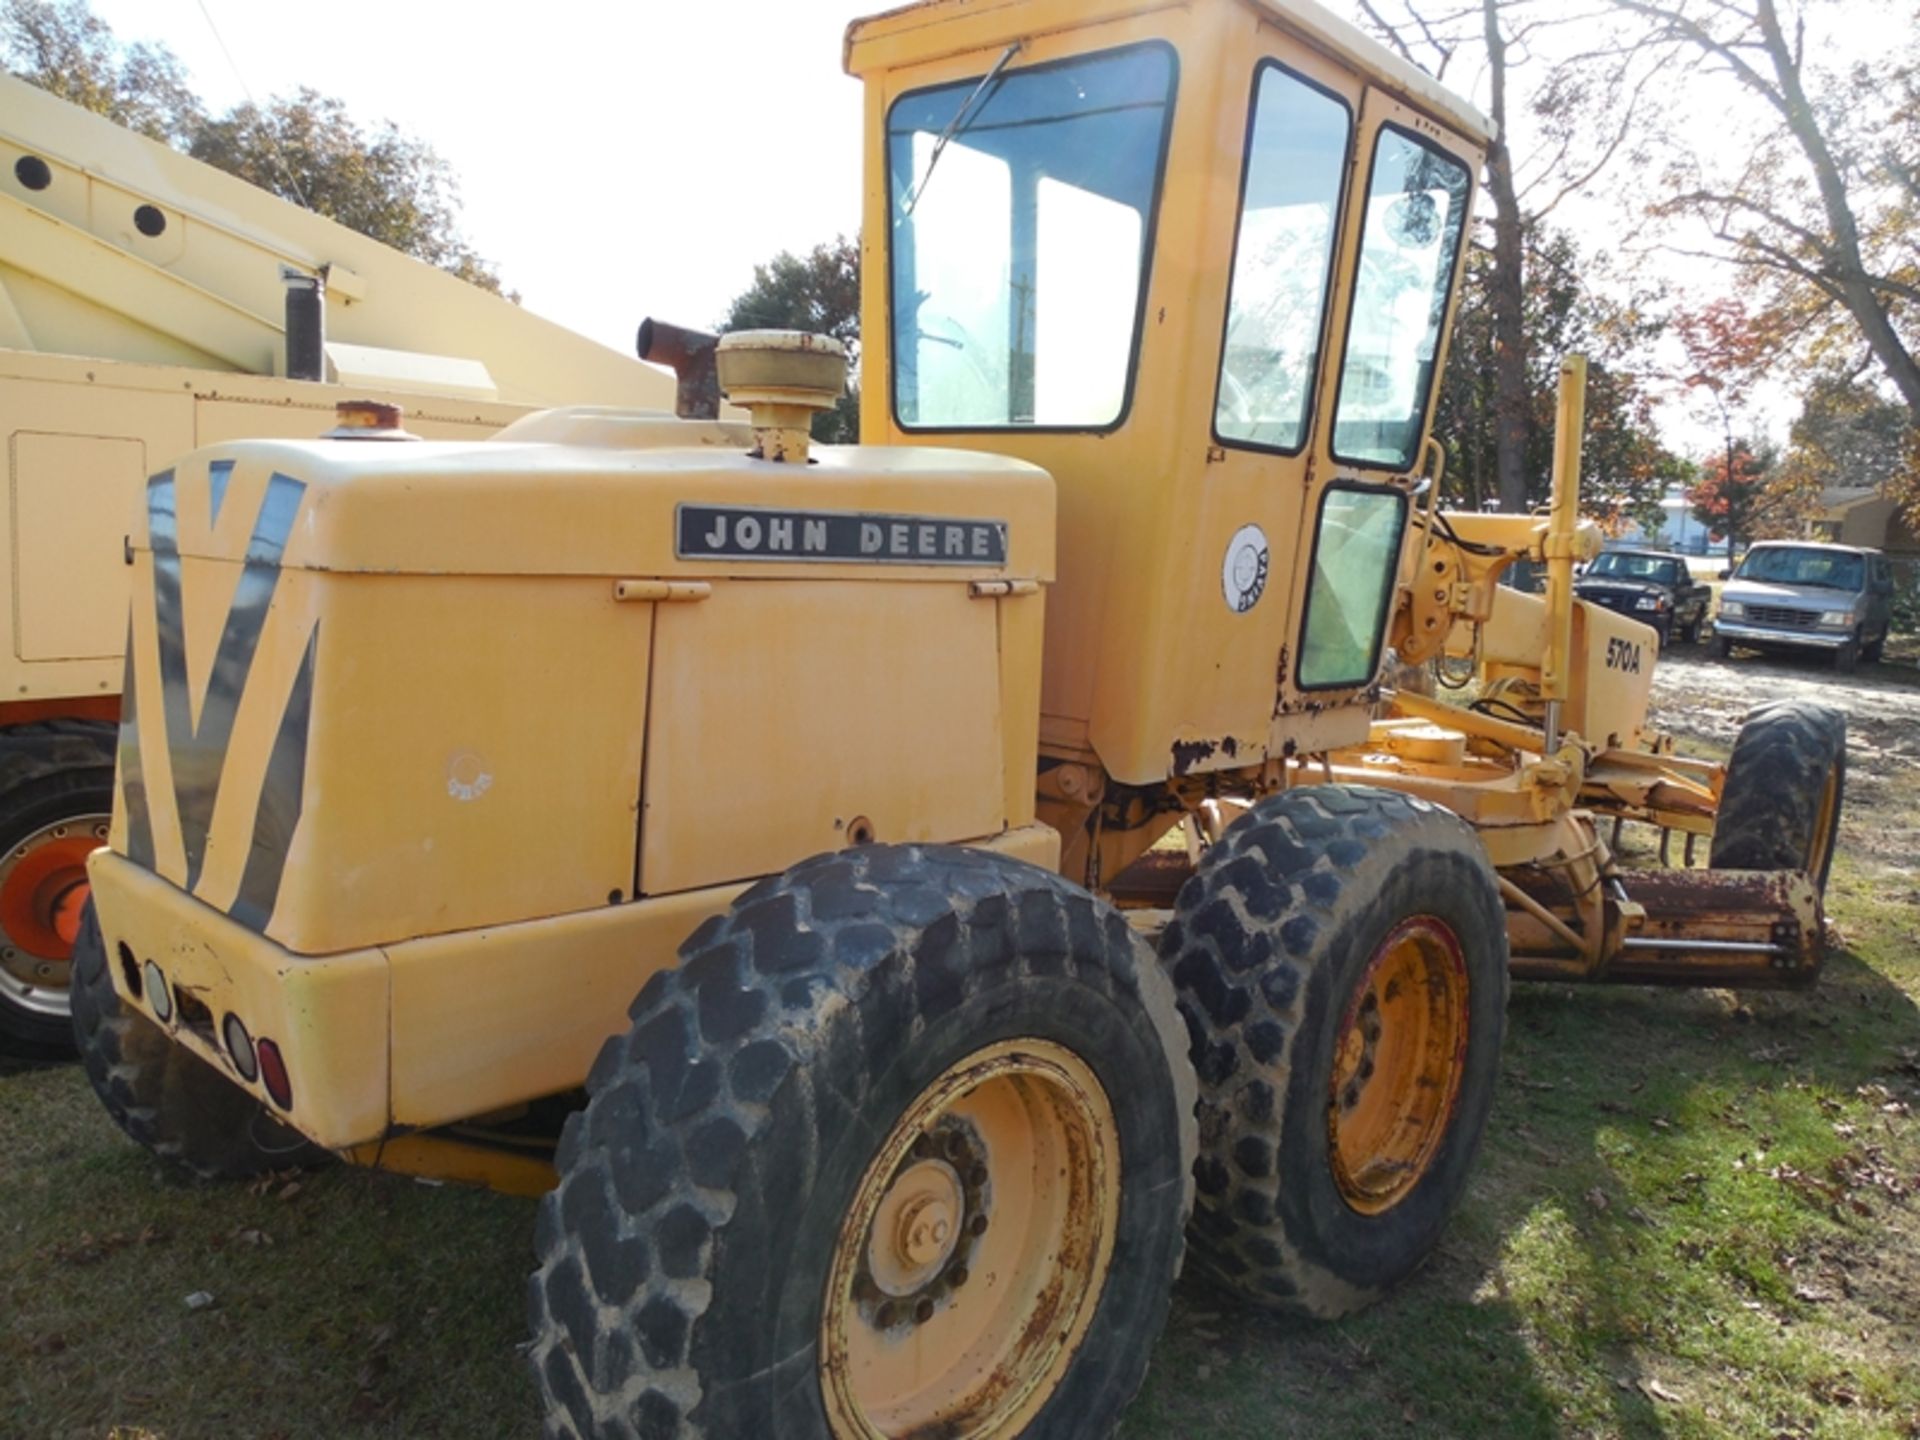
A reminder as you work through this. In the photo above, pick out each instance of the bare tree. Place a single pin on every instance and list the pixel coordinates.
(1586, 107)
(1820, 210)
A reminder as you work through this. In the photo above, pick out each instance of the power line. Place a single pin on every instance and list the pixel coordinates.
(273, 139)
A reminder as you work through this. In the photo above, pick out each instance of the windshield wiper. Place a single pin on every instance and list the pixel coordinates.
(957, 126)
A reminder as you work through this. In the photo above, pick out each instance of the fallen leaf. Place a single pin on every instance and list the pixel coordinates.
(1654, 1390)
(199, 1300)
(1597, 1198)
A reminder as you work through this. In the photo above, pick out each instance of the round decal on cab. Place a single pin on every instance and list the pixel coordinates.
(1243, 574)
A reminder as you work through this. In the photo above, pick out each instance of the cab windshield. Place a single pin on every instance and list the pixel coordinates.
(1019, 250)
(1794, 565)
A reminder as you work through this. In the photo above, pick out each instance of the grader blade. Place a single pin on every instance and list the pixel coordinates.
(1742, 929)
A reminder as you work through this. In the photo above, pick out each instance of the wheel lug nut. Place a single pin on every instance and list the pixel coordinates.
(957, 1276)
(887, 1315)
(923, 1312)
(978, 1225)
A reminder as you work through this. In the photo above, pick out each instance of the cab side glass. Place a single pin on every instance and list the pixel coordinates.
(1356, 559)
(1416, 209)
(1282, 261)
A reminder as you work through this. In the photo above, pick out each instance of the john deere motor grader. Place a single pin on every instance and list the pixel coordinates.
(743, 811)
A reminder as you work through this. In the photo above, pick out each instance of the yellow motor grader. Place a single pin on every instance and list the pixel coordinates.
(721, 834)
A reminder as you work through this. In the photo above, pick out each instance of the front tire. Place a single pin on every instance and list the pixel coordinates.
(899, 1094)
(162, 1095)
(1341, 958)
(1786, 781)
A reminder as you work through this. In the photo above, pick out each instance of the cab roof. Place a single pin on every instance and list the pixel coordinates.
(932, 29)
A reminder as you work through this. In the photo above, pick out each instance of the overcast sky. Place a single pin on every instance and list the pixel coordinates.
(615, 160)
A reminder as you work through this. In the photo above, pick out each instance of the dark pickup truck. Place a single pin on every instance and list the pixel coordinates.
(1651, 586)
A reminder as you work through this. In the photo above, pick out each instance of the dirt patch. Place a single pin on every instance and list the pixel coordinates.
(1701, 699)
(1698, 694)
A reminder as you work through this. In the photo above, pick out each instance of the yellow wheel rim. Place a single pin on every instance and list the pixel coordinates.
(973, 1257)
(1824, 829)
(1398, 1058)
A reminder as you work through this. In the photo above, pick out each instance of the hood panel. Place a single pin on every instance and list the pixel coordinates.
(587, 498)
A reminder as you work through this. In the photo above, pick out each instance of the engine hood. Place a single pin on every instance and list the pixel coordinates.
(592, 492)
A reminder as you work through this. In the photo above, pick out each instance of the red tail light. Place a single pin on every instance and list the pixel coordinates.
(273, 1074)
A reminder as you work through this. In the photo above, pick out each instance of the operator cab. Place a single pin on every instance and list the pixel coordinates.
(1198, 263)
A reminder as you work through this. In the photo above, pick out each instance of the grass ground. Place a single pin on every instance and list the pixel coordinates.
(1695, 1215)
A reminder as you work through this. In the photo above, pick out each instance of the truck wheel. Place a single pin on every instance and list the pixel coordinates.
(163, 1095)
(1786, 779)
(901, 1147)
(1341, 958)
(1874, 649)
(1690, 634)
(56, 800)
(1723, 646)
(1847, 658)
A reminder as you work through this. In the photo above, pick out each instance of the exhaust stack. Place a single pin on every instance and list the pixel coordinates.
(690, 355)
(306, 325)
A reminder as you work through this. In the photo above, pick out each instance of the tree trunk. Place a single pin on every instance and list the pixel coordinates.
(1512, 406)
(1856, 294)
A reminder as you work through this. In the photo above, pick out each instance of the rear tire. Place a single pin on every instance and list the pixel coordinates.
(1305, 1204)
(56, 798)
(163, 1095)
(719, 1228)
(1786, 781)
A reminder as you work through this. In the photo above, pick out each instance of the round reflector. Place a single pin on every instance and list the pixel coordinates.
(158, 995)
(240, 1046)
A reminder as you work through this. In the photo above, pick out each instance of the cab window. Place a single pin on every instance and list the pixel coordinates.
(1022, 219)
(1410, 236)
(1282, 262)
(1356, 559)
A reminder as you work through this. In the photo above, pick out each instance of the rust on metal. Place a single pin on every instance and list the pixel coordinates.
(367, 420)
(1152, 881)
(1189, 753)
(690, 354)
(1747, 929)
